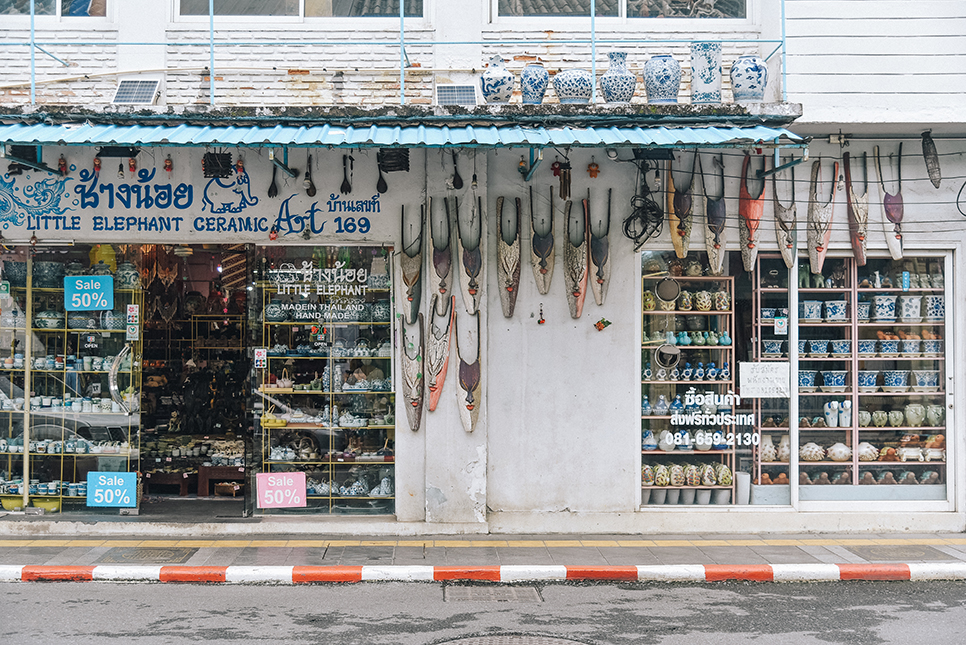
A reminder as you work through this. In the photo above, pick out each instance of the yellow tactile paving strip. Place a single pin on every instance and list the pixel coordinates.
(550, 544)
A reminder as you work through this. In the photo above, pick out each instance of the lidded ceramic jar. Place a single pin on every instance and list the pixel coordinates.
(662, 79)
(749, 77)
(533, 83)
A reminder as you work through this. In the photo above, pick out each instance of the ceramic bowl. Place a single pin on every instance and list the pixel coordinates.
(868, 380)
(48, 275)
(866, 347)
(934, 308)
(835, 310)
(843, 346)
(15, 273)
(768, 313)
(884, 308)
(806, 379)
(911, 346)
(926, 379)
(818, 346)
(834, 378)
(895, 378)
(932, 347)
(772, 346)
(802, 347)
(811, 310)
(888, 346)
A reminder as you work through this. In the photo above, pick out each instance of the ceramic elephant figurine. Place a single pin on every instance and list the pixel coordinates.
(808, 279)
(818, 281)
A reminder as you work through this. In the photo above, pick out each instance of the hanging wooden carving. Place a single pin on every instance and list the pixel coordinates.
(891, 205)
(541, 246)
(575, 256)
(715, 238)
(438, 347)
(786, 223)
(470, 382)
(440, 237)
(858, 208)
(470, 252)
(412, 371)
(750, 208)
(679, 210)
(819, 218)
(508, 255)
(411, 262)
(600, 255)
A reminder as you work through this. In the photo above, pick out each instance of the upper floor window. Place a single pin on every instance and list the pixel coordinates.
(51, 7)
(632, 8)
(296, 8)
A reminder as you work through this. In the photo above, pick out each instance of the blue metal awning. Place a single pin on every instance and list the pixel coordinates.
(404, 136)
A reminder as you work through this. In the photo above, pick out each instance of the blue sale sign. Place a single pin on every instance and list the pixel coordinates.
(88, 293)
(117, 490)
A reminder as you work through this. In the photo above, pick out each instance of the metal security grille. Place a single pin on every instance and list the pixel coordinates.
(136, 91)
(455, 94)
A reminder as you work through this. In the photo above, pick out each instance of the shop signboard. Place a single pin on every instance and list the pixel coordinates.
(764, 380)
(88, 293)
(280, 490)
(114, 490)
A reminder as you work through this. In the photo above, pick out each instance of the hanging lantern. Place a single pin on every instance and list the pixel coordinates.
(62, 165)
(120, 171)
(168, 164)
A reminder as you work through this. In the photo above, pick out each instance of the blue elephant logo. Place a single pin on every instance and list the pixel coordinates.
(230, 195)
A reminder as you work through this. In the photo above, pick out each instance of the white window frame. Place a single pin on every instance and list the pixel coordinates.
(622, 22)
(44, 20)
(340, 22)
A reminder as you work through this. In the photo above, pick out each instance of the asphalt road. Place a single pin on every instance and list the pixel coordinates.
(431, 613)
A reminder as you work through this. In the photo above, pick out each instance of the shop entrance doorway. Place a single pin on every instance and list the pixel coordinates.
(196, 425)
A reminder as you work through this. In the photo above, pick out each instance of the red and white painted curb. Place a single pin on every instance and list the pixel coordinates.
(505, 573)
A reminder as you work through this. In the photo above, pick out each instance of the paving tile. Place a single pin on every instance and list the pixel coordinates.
(252, 556)
(92, 555)
(215, 557)
(472, 556)
(409, 555)
(682, 555)
(784, 555)
(733, 555)
(959, 554)
(629, 556)
(846, 556)
(366, 555)
(66, 556)
(524, 556)
(309, 556)
(581, 555)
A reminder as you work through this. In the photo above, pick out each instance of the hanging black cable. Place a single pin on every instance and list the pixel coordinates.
(646, 218)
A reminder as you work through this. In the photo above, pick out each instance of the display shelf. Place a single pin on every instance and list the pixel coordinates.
(687, 312)
(695, 383)
(687, 487)
(687, 452)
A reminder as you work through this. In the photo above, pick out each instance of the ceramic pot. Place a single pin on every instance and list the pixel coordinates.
(573, 86)
(722, 301)
(74, 267)
(896, 418)
(868, 380)
(841, 346)
(648, 301)
(818, 347)
(767, 450)
(662, 79)
(835, 310)
(496, 81)
(839, 452)
(910, 308)
(784, 448)
(128, 276)
(749, 77)
(705, 73)
(49, 319)
(811, 452)
(879, 418)
(685, 301)
(910, 346)
(772, 347)
(15, 273)
(932, 347)
(811, 309)
(617, 85)
(888, 347)
(48, 275)
(845, 414)
(687, 496)
(703, 301)
(884, 308)
(865, 418)
(647, 475)
(926, 379)
(113, 320)
(834, 378)
(533, 83)
(867, 452)
(934, 415)
(935, 308)
(862, 310)
(915, 414)
(895, 378)
(806, 379)
(866, 347)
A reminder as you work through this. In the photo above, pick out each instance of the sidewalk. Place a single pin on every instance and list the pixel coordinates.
(286, 559)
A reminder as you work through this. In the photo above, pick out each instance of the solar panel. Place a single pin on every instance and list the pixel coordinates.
(136, 91)
(450, 94)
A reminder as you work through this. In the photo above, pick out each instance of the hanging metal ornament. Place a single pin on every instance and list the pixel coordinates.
(892, 208)
(858, 208)
(508, 254)
(542, 246)
(750, 208)
(786, 220)
(819, 218)
(600, 254)
(715, 242)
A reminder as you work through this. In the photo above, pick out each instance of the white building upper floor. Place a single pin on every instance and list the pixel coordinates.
(846, 61)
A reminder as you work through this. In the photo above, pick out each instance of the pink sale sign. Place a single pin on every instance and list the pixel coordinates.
(280, 490)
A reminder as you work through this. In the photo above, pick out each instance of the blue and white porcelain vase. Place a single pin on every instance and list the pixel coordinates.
(705, 73)
(496, 81)
(573, 86)
(749, 77)
(533, 83)
(662, 78)
(617, 85)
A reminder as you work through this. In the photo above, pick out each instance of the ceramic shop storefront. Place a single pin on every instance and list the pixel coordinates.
(526, 422)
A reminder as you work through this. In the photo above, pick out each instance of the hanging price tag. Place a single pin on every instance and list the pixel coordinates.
(781, 322)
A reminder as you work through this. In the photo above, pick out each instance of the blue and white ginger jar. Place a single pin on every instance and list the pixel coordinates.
(662, 78)
(705, 73)
(749, 77)
(618, 84)
(533, 83)
(573, 86)
(496, 82)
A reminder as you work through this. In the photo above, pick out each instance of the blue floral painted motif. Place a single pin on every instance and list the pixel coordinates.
(662, 78)
(618, 84)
